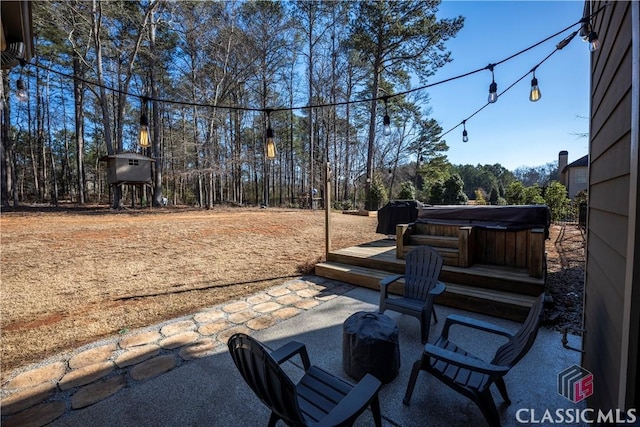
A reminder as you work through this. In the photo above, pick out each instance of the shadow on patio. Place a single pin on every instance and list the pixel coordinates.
(210, 391)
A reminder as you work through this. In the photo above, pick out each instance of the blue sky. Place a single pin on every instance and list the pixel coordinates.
(514, 131)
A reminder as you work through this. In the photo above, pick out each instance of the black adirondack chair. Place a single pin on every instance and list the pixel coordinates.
(319, 398)
(421, 286)
(470, 375)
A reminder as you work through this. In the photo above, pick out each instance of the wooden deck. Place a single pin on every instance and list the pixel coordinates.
(506, 292)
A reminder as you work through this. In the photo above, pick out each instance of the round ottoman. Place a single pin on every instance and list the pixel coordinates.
(370, 346)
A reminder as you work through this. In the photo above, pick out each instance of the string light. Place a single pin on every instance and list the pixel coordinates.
(534, 94)
(465, 135)
(21, 89)
(594, 42)
(386, 120)
(585, 31)
(493, 87)
(144, 140)
(270, 146)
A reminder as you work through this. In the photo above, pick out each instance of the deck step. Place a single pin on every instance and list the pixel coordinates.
(449, 255)
(506, 305)
(382, 256)
(435, 241)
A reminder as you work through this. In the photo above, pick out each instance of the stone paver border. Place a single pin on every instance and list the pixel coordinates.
(40, 394)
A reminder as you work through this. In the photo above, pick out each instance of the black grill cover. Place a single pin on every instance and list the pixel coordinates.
(370, 345)
(396, 212)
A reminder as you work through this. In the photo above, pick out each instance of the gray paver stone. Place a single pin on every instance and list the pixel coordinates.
(242, 316)
(201, 348)
(262, 322)
(235, 307)
(154, 367)
(178, 340)
(285, 313)
(214, 327)
(288, 299)
(258, 299)
(86, 375)
(178, 327)
(52, 372)
(26, 398)
(140, 339)
(306, 304)
(209, 316)
(97, 391)
(278, 292)
(137, 355)
(94, 355)
(37, 416)
(266, 307)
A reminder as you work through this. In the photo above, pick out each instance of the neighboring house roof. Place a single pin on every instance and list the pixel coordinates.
(126, 156)
(582, 161)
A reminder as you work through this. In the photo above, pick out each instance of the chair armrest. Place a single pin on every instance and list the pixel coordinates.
(354, 402)
(437, 289)
(289, 350)
(457, 359)
(384, 284)
(390, 279)
(454, 319)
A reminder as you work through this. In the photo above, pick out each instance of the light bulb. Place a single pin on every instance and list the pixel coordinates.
(594, 43)
(387, 125)
(144, 140)
(21, 92)
(465, 136)
(535, 93)
(271, 145)
(493, 92)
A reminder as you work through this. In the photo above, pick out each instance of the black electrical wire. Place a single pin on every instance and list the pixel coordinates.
(507, 89)
(334, 104)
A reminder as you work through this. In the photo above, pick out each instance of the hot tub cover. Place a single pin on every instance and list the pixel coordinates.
(500, 217)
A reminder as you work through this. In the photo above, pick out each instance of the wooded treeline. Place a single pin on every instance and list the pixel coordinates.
(224, 64)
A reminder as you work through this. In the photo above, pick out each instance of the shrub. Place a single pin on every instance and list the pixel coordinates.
(407, 191)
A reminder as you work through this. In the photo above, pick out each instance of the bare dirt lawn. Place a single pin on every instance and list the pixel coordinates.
(70, 277)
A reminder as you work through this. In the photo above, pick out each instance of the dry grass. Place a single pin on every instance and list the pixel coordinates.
(72, 277)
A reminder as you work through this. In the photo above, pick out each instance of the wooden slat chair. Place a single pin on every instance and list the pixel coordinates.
(319, 398)
(421, 285)
(470, 375)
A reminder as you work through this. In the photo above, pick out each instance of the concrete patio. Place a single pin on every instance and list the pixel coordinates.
(210, 391)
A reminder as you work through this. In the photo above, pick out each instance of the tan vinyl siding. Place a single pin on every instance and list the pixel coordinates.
(609, 185)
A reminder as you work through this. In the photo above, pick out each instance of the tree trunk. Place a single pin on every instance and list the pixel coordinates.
(78, 92)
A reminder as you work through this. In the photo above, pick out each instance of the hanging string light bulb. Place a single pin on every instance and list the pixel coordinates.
(386, 120)
(143, 138)
(270, 145)
(465, 135)
(493, 87)
(594, 42)
(534, 94)
(21, 89)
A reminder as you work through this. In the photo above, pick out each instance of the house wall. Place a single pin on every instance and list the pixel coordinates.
(575, 181)
(612, 272)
